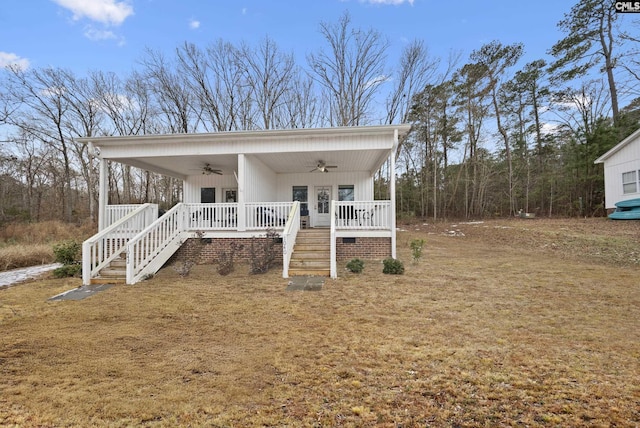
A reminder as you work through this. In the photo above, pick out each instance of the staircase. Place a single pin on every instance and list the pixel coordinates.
(311, 253)
(114, 273)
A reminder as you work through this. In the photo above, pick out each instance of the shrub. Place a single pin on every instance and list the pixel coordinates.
(355, 265)
(262, 254)
(187, 258)
(67, 252)
(225, 260)
(66, 271)
(392, 266)
(416, 249)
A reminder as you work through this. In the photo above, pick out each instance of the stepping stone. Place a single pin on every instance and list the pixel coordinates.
(306, 283)
(81, 292)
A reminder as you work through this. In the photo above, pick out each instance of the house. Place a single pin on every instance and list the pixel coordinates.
(622, 171)
(313, 187)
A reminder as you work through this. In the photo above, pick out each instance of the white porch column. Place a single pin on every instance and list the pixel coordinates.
(392, 190)
(103, 195)
(242, 219)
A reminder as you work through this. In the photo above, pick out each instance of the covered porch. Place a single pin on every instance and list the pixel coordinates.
(241, 184)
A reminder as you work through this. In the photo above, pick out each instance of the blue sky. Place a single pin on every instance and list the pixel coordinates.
(111, 35)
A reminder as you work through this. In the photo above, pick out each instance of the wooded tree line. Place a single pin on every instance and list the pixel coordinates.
(489, 136)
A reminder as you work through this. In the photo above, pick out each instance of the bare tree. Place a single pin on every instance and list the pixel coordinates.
(269, 73)
(350, 71)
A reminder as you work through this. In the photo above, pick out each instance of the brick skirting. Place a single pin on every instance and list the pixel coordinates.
(363, 248)
(213, 247)
(346, 249)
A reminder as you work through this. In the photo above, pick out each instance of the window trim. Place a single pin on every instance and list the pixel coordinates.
(635, 182)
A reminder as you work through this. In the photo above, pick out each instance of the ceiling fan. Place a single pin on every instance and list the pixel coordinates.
(323, 167)
(208, 170)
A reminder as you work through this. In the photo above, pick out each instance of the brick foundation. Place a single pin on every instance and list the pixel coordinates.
(214, 246)
(363, 248)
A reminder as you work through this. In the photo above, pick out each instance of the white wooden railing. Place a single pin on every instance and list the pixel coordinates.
(211, 216)
(266, 215)
(116, 212)
(289, 235)
(365, 215)
(333, 268)
(103, 247)
(145, 246)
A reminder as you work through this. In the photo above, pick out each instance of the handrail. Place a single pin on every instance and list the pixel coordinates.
(333, 266)
(146, 245)
(103, 247)
(289, 237)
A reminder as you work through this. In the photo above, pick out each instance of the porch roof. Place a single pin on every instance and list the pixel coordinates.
(362, 148)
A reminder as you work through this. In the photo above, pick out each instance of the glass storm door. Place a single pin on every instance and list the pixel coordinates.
(323, 202)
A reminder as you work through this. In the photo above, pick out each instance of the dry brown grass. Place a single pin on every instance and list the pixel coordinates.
(28, 244)
(489, 329)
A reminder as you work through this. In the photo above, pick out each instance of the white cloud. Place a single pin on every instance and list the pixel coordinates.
(391, 2)
(94, 34)
(7, 59)
(244, 10)
(194, 24)
(109, 12)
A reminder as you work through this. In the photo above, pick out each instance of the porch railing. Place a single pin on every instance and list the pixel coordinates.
(333, 267)
(289, 235)
(105, 246)
(146, 245)
(116, 212)
(221, 216)
(364, 215)
(267, 215)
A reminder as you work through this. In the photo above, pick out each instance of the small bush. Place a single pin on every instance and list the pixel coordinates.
(190, 254)
(225, 260)
(392, 266)
(355, 265)
(68, 271)
(67, 252)
(416, 249)
(262, 254)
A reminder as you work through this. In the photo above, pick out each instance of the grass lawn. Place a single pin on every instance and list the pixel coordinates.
(501, 323)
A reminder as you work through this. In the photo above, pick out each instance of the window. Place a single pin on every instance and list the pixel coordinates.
(230, 195)
(345, 193)
(300, 194)
(630, 182)
(208, 195)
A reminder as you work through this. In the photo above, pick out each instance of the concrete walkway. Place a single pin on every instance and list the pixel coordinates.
(305, 283)
(11, 277)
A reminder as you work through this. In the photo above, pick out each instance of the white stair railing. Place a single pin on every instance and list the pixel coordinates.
(333, 265)
(146, 245)
(106, 245)
(289, 237)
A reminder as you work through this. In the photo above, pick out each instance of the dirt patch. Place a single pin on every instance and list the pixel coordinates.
(491, 327)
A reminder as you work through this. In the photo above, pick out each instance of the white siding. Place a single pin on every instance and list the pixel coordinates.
(260, 181)
(625, 160)
(361, 181)
(194, 183)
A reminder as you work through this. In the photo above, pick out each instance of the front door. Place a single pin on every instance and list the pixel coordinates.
(323, 201)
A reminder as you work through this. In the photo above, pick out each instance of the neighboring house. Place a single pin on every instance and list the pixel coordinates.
(622, 171)
(314, 187)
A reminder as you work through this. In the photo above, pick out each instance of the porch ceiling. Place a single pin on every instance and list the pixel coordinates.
(280, 163)
(283, 151)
